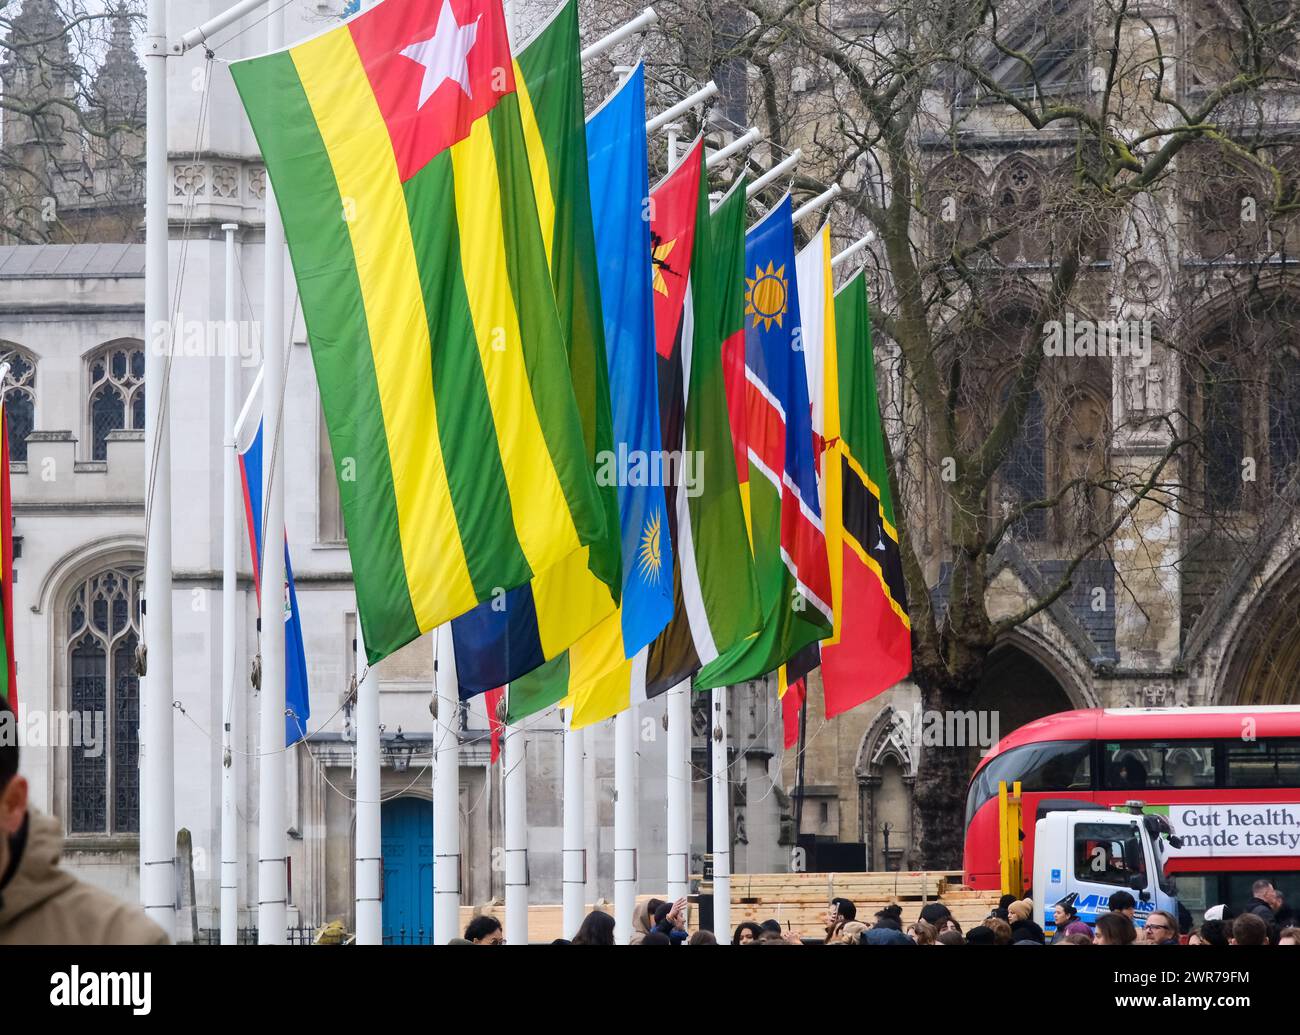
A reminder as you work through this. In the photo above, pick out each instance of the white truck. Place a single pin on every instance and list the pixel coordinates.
(1092, 851)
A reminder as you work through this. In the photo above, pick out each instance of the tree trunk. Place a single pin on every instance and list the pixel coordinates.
(943, 773)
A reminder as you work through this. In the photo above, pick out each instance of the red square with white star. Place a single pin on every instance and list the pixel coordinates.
(436, 67)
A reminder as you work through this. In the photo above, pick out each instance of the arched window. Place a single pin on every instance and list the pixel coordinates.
(1284, 417)
(329, 516)
(1224, 198)
(1079, 457)
(19, 398)
(955, 205)
(1223, 433)
(1018, 209)
(116, 394)
(1023, 474)
(104, 696)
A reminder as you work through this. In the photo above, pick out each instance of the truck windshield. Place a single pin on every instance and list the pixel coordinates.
(1109, 853)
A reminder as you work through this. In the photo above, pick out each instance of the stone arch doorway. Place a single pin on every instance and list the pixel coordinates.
(1263, 660)
(1017, 688)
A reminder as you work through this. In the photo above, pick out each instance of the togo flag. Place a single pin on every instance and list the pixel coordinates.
(502, 640)
(874, 648)
(775, 437)
(714, 588)
(616, 150)
(297, 701)
(396, 149)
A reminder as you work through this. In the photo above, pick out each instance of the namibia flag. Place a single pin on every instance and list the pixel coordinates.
(397, 150)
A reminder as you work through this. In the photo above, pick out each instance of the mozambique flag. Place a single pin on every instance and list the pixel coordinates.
(775, 437)
(874, 648)
(397, 152)
(715, 592)
(500, 641)
(8, 681)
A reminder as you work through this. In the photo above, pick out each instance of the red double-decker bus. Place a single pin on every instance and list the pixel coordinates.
(1227, 778)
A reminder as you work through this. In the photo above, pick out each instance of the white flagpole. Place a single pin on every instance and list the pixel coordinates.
(573, 868)
(272, 841)
(780, 169)
(822, 199)
(642, 21)
(665, 118)
(446, 791)
(739, 144)
(721, 818)
(625, 875)
(157, 750)
(369, 854)
(230, 521)
(515, 756)
(853, 249)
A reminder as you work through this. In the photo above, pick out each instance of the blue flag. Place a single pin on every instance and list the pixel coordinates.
(620, 192)
(296, 701)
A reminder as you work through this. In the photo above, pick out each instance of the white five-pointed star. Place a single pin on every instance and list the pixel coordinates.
(445, 54)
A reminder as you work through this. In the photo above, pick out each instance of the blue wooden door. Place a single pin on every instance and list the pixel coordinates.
(407, 839)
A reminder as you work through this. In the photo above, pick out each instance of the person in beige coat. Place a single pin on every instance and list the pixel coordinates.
(41, 903)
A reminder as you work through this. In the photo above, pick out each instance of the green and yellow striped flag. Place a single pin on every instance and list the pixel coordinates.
(397, 152)
(499, 642)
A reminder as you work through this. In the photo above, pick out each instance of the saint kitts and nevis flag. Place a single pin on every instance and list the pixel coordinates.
(767, 390)
(501, 640)
(597, 674)
(397, 151)
(715, 593)
(872, 648)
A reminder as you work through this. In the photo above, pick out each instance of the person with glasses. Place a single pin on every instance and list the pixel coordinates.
(1161, 929)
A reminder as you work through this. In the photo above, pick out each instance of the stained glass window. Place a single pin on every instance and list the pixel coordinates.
(104, 699)
(116, 399)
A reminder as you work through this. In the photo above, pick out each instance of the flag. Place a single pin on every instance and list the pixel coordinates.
(715, 593)
(874, 649)
(492, 699)
(599, 670)
(785, 521)
(8, 670)
(396, 149)
(792, 697)
(501, 640)
(297, 702)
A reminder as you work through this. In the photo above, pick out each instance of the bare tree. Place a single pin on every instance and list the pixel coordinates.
(1031, 167)
(72, 135)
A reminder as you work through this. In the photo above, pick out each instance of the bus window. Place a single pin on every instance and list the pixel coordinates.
(1152, 765)
(1262, 763)
(1108, 853)
(1054, 765)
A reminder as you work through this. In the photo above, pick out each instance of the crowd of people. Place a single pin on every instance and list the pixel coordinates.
(1264, 920)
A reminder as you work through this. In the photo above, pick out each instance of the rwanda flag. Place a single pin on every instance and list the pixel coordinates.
(297, 702)
(779, 481)
(397, 151)
(501, 640)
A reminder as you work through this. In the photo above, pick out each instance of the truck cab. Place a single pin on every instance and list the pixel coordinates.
(1094, 852)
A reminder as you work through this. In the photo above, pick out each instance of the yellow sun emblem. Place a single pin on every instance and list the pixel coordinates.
(649, 558)
(766, 295)
(659, 257)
